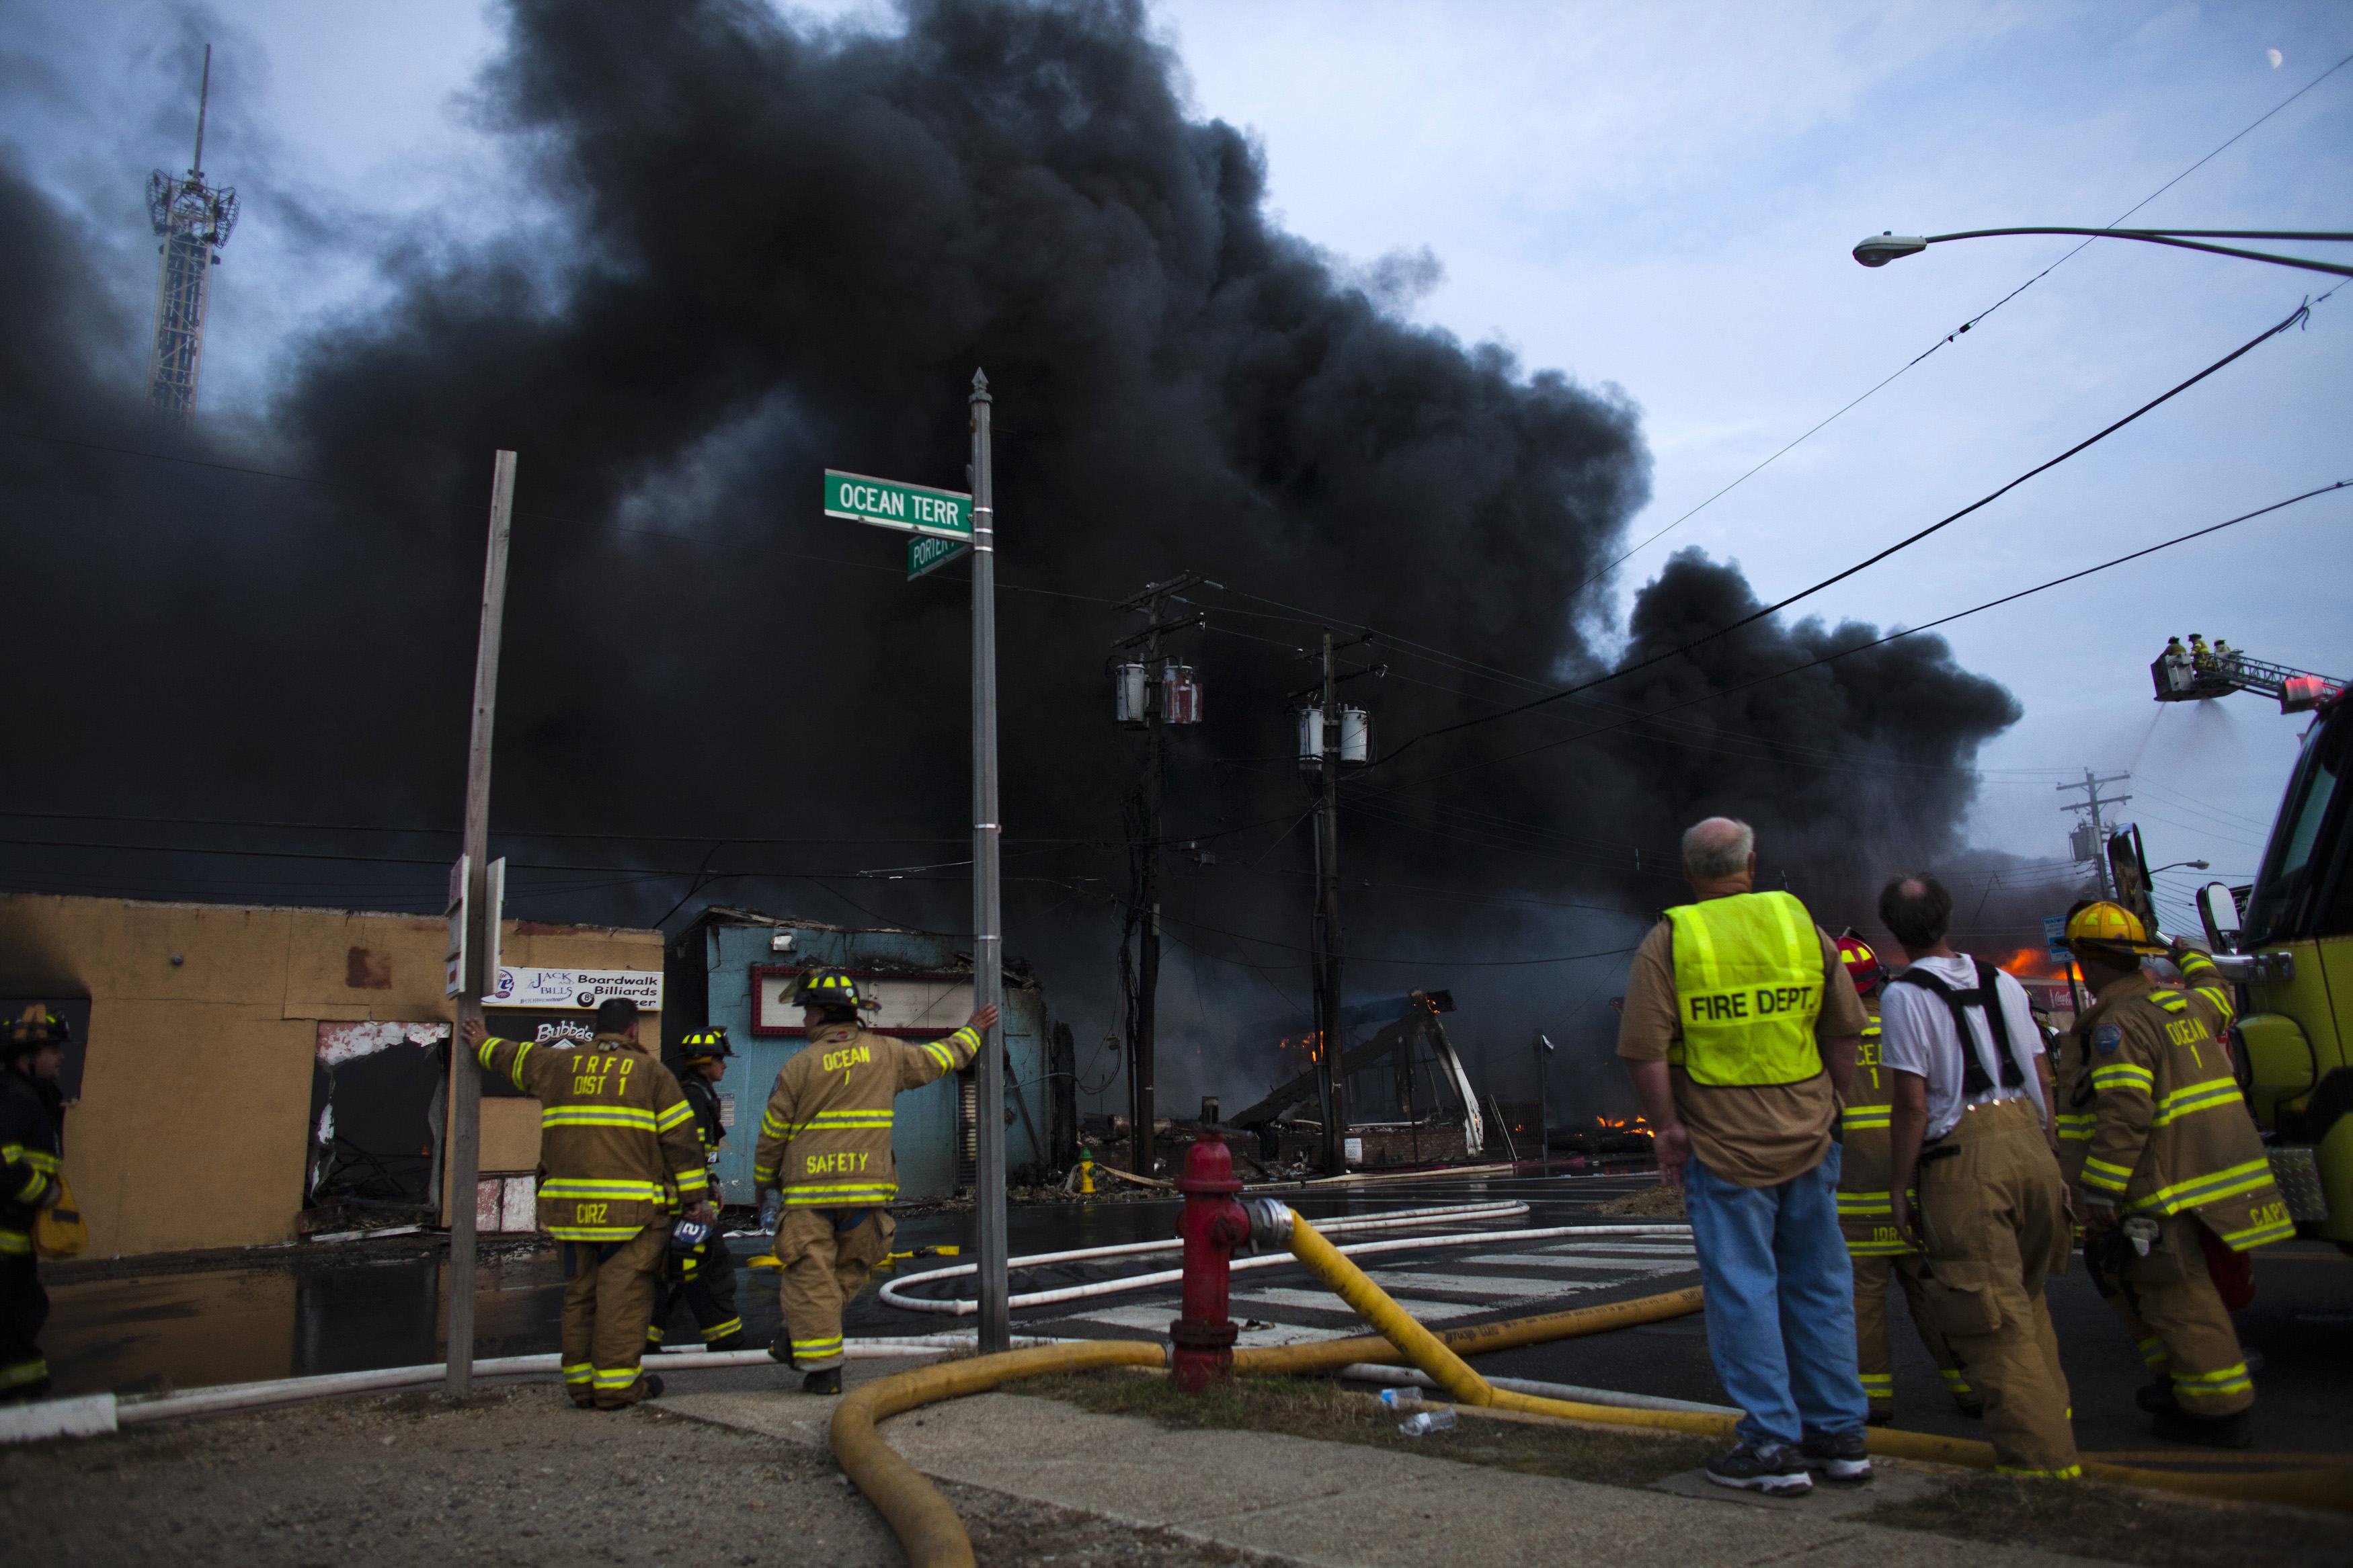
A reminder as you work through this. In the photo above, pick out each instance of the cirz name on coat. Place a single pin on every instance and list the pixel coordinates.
(1769, 1000)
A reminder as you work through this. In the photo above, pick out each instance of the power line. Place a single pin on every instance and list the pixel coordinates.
(2290, 319)
(607, 527)
(1834, 760)
(746, 839)
(1954, 336)
(1894, 636)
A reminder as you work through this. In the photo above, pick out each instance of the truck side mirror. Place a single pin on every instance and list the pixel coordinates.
(2218, 911)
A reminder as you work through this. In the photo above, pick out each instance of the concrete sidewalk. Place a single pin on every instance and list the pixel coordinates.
(1348, 1506)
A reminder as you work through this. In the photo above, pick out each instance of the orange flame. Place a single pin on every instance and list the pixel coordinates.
(2030, 963)
(1310, 1042)
(1621, 1124)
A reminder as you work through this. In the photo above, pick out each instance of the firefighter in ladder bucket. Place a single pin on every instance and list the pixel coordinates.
(824, 1142)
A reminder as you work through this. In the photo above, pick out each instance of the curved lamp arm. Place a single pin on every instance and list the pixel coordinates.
(1882, 248)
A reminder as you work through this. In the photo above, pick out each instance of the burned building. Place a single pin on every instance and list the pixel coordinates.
(737, 967)
(238, 1067)
(1408, 1097)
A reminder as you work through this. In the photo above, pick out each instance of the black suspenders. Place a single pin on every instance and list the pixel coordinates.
(1987, 1000)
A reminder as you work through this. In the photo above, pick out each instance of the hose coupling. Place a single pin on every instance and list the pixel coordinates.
(1270, 1224)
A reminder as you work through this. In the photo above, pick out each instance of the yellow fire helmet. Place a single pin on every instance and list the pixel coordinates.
(826, 988)
(703, 1043)
(2104, 925)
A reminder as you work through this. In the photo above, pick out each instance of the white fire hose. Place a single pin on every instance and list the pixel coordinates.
(90, 1414)
(895, 1293)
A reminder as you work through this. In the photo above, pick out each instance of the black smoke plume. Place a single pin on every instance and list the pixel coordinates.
(778, 249)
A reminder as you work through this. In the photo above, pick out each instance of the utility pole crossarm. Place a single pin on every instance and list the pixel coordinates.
(2091, 803)
(1160, 628)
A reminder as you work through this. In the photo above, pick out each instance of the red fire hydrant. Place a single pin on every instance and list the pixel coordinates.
(1212, 1227)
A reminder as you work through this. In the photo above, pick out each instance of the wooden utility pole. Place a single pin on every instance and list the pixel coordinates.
(465, 1140)
(1331, 1079)
(2092, 802)
(1143, 1044)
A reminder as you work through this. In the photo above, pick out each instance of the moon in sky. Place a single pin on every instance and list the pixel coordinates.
(2275, 57)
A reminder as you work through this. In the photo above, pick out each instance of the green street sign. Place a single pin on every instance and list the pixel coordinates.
(887, 503)
(927, 552)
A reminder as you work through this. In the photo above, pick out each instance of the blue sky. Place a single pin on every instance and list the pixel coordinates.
(1657, 196)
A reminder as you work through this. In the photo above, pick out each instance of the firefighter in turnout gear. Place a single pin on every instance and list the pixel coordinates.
(1880, 1253)
(2172, 1168)
(1973, 1178)
(32, 1145)
(618, 1156)
(825, 1141)
(703, 1276)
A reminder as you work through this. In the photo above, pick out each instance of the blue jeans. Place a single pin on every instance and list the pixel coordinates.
(1780, 1302)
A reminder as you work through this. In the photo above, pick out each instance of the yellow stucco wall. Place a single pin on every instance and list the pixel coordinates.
(192, 1124)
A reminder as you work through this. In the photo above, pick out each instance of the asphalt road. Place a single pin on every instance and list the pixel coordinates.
(315, 1311)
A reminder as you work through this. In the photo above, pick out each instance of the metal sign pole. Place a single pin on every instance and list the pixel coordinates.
(481, 942)
(987, 953)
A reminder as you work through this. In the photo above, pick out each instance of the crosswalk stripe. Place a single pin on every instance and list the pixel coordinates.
(1629, 1268)
(1156, 1321)
(1324, 1301)
(1626, 1248)
(1394, 1280)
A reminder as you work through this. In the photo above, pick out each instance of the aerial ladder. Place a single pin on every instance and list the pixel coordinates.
(2286, 942)
(2196, 672)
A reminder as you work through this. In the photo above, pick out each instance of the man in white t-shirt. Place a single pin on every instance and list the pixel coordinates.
(1971, 1118)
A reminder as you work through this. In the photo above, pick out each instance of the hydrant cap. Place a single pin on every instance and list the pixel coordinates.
(1208, 1168)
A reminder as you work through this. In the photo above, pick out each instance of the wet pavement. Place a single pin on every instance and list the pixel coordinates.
(300, 1311)
(320, 1309)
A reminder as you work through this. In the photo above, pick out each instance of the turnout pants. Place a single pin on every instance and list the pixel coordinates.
(24, 1309)
(1780, 1302)
(827, 1255)
(1875, 1355)
(1993, 1207)
(708, 1291)
(2169, 1305)
(609, 1298)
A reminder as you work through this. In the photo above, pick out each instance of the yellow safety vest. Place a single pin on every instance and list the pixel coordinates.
(1749, 986)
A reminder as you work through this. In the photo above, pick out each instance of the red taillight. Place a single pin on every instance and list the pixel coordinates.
(2302, 693)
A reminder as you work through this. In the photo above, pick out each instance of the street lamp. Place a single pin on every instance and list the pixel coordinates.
(1882, 248)
(2193, 865)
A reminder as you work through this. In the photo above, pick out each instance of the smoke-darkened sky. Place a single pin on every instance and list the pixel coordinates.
(752, 249)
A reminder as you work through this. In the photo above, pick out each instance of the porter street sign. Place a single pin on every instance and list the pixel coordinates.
(927, 552)
(887, 503)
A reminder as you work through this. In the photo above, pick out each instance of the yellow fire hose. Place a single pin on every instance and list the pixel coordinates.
(926, 1526)
(2328, 1489)
(1328, 1356)
(934, 1538)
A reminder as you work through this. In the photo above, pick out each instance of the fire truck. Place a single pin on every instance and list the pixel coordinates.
(2288, 939)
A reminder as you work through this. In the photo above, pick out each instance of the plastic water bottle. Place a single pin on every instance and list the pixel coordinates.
(1401, 1398)
(1438, 1418)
